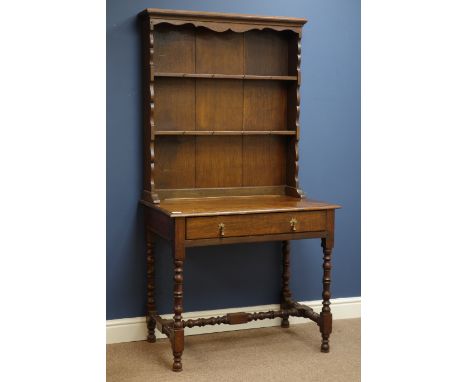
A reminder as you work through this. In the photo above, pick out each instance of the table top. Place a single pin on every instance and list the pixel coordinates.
(233, 205)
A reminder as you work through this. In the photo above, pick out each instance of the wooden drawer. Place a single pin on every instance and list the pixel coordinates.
(255, 224)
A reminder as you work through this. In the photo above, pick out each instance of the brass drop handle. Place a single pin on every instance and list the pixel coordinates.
(293, 223)
(221, 229)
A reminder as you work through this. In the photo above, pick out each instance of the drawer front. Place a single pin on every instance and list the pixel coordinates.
(255, 224)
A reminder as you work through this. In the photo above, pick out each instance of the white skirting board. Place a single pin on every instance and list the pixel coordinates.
(134, 329)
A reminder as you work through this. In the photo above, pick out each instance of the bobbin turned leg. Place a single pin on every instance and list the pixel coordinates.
(177, 340)
(325, 315)
(150, 303)
(285, 292)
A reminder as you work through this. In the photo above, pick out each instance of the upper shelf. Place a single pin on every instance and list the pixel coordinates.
(225, 76)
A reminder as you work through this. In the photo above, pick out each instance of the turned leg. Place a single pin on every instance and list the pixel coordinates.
(325, 315)
(150, 304)
(177, 339)
(285, 292)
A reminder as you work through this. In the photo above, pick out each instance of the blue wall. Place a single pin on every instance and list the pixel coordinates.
(241, 275)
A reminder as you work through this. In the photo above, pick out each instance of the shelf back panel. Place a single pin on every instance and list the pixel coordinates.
(174, 104)
(220, 53)
(187, 49)
(174, 49)
(266, 53)
(265, 105)
(219, 104)
(174, 162)
(220, 161)
(264, 161)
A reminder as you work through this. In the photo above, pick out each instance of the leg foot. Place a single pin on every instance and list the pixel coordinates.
(151, 338)
(325, 348)
(177, 365)
(177, 349)
(151, 325)
(285, 323)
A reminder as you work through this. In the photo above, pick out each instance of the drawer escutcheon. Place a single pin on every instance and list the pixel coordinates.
(293, 223)
(221, 229)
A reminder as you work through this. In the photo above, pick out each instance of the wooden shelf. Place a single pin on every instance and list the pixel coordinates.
(225, 76)
(224, 132)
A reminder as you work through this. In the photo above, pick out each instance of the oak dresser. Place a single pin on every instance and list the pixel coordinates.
(221, 106)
